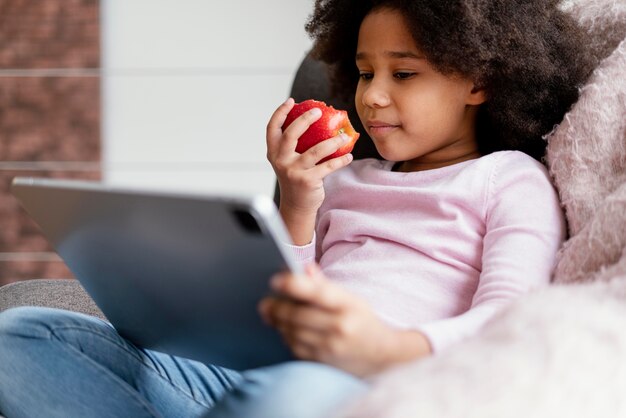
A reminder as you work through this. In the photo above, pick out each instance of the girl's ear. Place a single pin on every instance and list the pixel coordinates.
(476, 96)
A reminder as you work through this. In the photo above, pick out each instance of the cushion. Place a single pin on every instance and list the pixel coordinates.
(53, 293)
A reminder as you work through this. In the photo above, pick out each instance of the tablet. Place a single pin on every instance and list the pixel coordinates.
(173, 272)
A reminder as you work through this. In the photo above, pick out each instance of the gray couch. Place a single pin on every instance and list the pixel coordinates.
(54, 293)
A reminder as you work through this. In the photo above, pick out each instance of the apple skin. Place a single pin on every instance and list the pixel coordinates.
(332, 123)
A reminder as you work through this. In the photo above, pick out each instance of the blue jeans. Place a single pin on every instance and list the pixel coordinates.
(56, 363)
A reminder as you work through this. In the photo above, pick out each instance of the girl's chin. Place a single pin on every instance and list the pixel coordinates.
(390, 156)
(387, 152)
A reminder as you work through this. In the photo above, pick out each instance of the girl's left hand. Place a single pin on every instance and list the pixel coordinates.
(322, 322)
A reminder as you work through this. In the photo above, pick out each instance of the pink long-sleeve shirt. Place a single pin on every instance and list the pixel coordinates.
(439, 251)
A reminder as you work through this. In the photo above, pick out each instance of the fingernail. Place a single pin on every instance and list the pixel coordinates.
(345, 138)
(316, 111)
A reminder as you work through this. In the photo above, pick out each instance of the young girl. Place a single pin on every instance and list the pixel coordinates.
(416, 252)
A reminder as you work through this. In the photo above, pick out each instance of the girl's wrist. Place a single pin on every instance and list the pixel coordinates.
(299, 224)
(294, 211)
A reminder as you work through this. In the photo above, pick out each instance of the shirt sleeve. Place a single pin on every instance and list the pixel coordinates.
(304, 254)
(525, 227)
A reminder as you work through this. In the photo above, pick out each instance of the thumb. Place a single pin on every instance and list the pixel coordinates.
(313, 271)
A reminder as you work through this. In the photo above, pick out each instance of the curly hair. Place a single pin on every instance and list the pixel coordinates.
(529, 56)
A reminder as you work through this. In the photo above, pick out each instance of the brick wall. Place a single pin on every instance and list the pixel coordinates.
(49, 116)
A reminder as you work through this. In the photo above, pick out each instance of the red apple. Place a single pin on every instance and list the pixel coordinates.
(332, 123)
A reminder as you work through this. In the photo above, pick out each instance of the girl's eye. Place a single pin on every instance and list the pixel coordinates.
(366, 76)
(401, 75)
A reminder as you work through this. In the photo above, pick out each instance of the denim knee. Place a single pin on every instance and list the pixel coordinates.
(43, 371)
(22, 322)
(36, 322)
(295, 374)
(295, 390)
(320, 382)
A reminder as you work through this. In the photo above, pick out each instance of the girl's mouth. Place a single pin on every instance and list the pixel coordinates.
(380, 128)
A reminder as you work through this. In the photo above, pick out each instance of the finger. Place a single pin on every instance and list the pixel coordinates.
(303, 352)
(313, 339)
(264, 308)
(319, 292)
(297, 128)
(299, 316)
(313, 270)
(323, 169)
(305, 345)
(300, 350)
(323, 149)
(277, 119)
(272, 308)
(274, 127)
(288, 275)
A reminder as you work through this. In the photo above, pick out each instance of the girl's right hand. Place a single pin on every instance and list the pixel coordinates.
(300, 178)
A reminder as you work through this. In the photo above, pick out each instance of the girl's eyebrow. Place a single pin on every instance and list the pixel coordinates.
(404, 54)
(392, 54)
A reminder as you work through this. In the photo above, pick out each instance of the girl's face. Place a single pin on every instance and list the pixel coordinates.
(413, 113)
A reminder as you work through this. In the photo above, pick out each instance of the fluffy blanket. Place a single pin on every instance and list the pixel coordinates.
(560, 351)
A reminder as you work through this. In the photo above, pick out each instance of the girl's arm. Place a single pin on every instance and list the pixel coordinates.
(300, 178)
(525, 227)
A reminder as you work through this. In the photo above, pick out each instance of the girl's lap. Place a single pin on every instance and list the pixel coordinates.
(56, 341)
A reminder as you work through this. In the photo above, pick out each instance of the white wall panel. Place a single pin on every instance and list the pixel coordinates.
(189, 86)
(165, 125)
(204, 33)
(194, 119)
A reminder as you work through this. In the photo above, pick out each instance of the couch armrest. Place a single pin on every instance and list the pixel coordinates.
(53, 293)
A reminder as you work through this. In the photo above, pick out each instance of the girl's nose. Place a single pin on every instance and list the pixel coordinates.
(375, 95)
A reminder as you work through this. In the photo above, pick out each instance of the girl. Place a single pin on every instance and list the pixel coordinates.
(416, 252)
(449, 227)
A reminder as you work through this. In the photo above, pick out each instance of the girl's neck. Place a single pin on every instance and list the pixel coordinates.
(410, 166)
